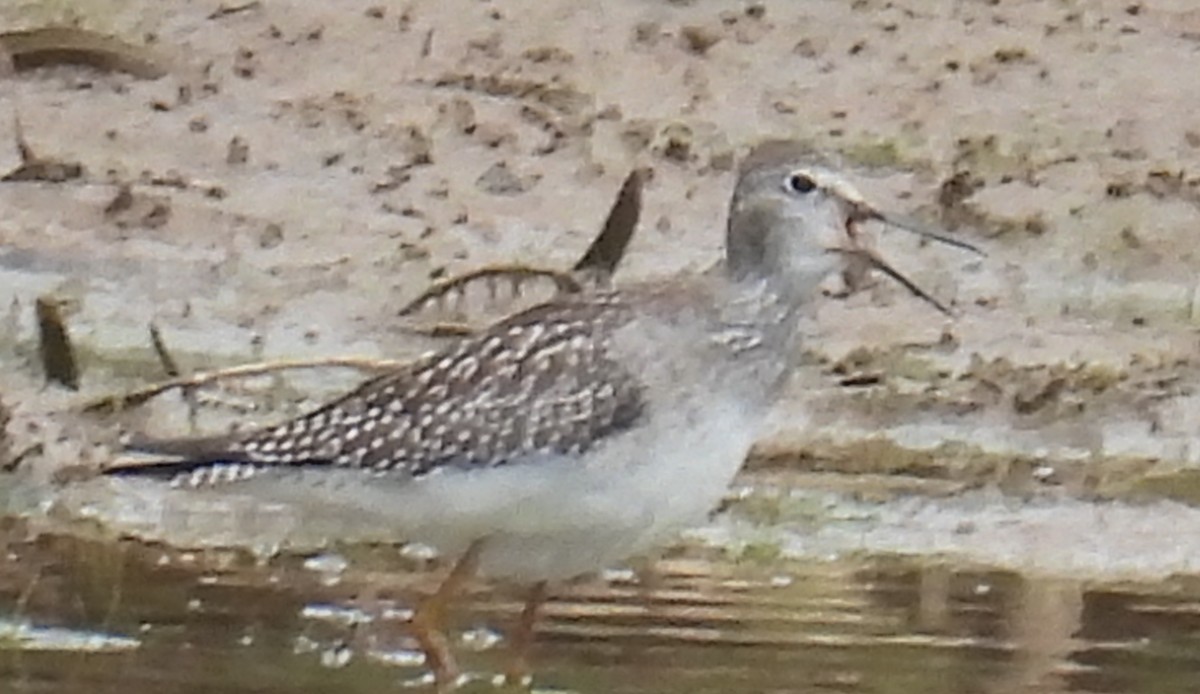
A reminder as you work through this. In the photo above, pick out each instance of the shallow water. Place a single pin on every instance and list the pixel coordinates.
(92, 616)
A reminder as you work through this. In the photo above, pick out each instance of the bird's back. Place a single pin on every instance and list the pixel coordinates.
(544, 381)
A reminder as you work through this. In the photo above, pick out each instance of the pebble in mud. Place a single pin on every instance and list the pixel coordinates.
(698, 39)
(238, 151)
(271, 236)
(245, 64)
(500, 180)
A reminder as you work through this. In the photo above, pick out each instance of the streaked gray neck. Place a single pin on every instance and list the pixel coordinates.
(759, 323)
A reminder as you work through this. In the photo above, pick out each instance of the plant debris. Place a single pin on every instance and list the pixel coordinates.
(122, 401)
(48, 46)
(54, 343)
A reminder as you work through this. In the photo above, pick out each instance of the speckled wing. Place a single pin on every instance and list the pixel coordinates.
(541, 382)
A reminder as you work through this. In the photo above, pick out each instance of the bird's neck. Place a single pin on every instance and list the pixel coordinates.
(774, 308)
(760, 321)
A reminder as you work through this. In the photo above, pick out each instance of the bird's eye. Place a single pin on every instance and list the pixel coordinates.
(801, 183)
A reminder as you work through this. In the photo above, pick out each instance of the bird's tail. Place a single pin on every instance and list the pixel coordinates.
(167, 458)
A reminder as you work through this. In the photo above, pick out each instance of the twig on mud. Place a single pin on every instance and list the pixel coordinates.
(36, 168)
(594, 268)
(110, 403)
(7, 459)
(608, 248)
(164, 355)
(492, 277)
(34, 48)
(26, 594)
(225, 10)
(171, 368)
(15, 461)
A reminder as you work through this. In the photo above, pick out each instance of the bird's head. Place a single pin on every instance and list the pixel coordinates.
(795, 224)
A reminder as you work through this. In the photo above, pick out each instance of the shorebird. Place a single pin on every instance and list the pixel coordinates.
(575, 434)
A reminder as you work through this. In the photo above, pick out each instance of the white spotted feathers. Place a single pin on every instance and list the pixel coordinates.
(542, 382)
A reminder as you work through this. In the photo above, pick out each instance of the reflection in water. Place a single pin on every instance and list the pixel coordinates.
(219, 621)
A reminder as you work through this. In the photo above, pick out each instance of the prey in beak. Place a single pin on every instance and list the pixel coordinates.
(864, 258)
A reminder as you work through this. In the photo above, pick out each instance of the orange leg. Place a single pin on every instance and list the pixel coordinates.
(429, 621)
(521, 641)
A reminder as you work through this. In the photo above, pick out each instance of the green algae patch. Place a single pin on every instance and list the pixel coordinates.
(1182, 486)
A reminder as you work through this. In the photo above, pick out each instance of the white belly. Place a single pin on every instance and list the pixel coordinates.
(549, 518)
